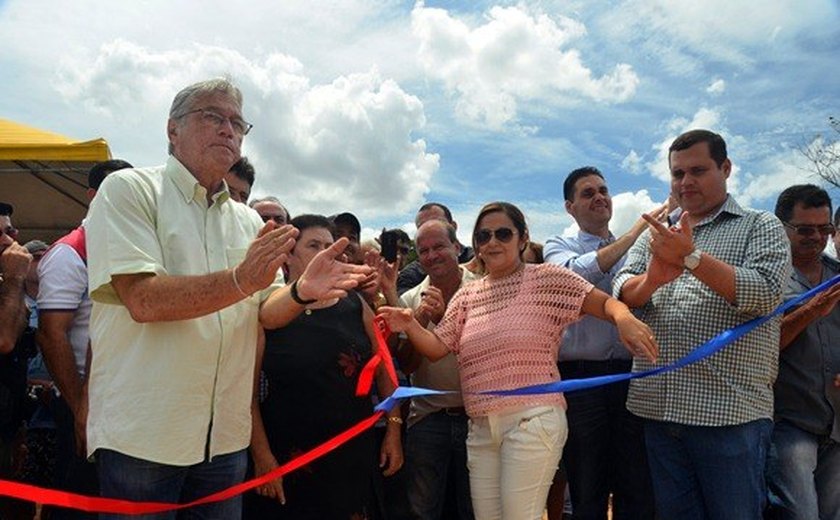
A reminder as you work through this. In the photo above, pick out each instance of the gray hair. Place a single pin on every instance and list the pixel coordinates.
(275, 200)
(185, 99)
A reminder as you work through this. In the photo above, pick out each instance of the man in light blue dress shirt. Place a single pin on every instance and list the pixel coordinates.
(605, 451)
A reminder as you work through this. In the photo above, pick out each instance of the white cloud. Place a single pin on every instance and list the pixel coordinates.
(514, 59)
(345, 145)
(632, 163)
(706, 118)
(684, 35)
(628, 207)
(773, 173)
(716, 87)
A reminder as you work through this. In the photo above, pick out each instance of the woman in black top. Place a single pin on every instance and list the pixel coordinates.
(312, 365)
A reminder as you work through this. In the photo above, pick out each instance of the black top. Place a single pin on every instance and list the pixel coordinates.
(312, 366)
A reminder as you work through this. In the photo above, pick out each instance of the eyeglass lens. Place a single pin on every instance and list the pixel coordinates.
(502, 235)
(806, 230)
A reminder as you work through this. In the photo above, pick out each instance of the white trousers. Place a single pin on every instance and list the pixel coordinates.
(512, 458)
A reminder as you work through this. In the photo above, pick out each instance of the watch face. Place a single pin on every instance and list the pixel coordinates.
(692, 260)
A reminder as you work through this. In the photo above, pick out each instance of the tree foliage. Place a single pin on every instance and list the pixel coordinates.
(823, 153)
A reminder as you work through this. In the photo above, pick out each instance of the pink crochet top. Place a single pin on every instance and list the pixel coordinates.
(506, 332)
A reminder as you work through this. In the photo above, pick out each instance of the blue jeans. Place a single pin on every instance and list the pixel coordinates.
(122, 476)
(605, 451)
(436, 464)
(702, 472)
(803, 474)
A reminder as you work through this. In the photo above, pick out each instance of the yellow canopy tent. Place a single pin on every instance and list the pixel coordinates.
(44, 176)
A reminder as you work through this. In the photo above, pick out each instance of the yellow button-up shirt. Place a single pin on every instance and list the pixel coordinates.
(170, 392)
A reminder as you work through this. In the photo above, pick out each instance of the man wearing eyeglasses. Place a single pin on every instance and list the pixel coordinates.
(181, 278)
(804, 461)
(708, 425)
(14, 265)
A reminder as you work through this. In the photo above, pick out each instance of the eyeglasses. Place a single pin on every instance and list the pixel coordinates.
(239, 125)
(808, 230)
(502, 234)
(12, 232)
(279, 219)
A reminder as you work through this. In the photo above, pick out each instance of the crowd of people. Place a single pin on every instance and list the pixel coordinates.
(183, 339)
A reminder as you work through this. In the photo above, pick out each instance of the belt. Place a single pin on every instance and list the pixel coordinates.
(607, 366)
(454, 410)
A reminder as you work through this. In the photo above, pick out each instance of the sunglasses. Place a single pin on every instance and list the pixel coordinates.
(807, 231)
(503, 235)
(12, 232)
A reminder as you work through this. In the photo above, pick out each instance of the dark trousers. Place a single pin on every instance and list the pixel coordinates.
(436, 467)
(605, 452)
(72, 472)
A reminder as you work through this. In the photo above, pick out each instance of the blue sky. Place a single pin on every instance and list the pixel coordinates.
(378, 106)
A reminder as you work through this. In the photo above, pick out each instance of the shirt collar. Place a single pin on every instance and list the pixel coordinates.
(585, 237)
(189, 186)
(729, 206)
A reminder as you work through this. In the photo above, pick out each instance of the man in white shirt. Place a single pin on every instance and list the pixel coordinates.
(181, 277)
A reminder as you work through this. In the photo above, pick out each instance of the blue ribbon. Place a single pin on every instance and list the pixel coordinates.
(703, 351)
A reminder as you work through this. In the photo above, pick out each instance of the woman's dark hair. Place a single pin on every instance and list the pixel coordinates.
(307, 221)
(515, 215)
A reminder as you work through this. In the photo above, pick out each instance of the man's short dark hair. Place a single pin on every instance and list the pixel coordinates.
(430, 205)
(574, 176)
(244, 170)
(809, 195)
(101, 170)
(837, 218)
(717, 146)
(6, 209)
(307, 221)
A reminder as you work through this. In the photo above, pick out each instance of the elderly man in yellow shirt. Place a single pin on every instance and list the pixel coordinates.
(181, 278)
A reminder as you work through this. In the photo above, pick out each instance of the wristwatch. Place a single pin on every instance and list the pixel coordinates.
(692, 260)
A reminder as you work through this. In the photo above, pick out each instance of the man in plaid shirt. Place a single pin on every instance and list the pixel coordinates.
(708, 425)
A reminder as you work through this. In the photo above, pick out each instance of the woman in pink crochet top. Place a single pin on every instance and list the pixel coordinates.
(505, 330)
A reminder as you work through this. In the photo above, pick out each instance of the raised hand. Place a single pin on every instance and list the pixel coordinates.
(432, 306)
(659, 214)
(671, 244)
(265, 256)
(327, 277)
(398, 319)
(15, 260)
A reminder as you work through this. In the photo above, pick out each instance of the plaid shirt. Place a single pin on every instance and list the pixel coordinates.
(735, 385)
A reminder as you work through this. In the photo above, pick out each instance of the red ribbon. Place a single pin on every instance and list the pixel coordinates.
(381, 331)
(53, 497)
